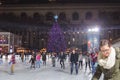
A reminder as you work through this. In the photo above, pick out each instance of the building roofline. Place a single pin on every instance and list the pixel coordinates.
(61, 4)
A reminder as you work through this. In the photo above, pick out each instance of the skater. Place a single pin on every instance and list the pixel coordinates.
(22, 57)
(62, 59)
(1, 61)
(38, 57)
(32, 61)
(80, 61)
(53, 59)
(44, 58)
(12, 62)
(87, 61)
(74, 61)
(108, 62)
(1, 55)
(93, 61)
(6, 55)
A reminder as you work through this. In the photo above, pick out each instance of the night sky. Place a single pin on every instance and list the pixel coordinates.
(56, 1)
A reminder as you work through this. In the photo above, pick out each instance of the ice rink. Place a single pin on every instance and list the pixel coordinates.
(23, 71)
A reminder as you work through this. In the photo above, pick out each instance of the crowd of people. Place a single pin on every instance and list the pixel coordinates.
(106, 61)
(75, 58)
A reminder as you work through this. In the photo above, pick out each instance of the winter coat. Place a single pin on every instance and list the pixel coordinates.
(109, 74)
(62, 57)
(12, 59)
(74, 57)
(94, 57)
(32, 60)
(53, 59)
(44, 56)
(80, 57)
(38, 57)
(87, 58)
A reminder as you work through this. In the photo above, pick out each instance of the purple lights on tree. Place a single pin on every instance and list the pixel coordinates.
(56, 41)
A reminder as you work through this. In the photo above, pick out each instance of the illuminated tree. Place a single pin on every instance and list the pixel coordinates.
(56, 41)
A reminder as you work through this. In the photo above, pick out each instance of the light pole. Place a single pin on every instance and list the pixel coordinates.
(93, 38)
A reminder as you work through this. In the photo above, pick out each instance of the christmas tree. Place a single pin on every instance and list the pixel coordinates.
(56, 41)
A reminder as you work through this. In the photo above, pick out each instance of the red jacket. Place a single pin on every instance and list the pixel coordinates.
(13, 59)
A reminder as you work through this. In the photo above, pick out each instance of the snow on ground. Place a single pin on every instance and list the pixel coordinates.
(23, 71)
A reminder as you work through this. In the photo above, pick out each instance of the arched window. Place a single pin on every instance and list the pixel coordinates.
(11, 15)
(88, 16)
(116, 15)
(62, 16)
(36, 16)
(49, 16)
(3, 15)
(75, 16)
(23, 15)
(103, 15)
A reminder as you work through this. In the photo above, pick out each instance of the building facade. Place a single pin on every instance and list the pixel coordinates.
(33, 22)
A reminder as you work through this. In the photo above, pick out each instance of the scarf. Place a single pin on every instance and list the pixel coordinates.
(108, 62)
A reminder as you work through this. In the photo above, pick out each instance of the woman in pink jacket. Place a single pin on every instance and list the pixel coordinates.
(38, 57)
